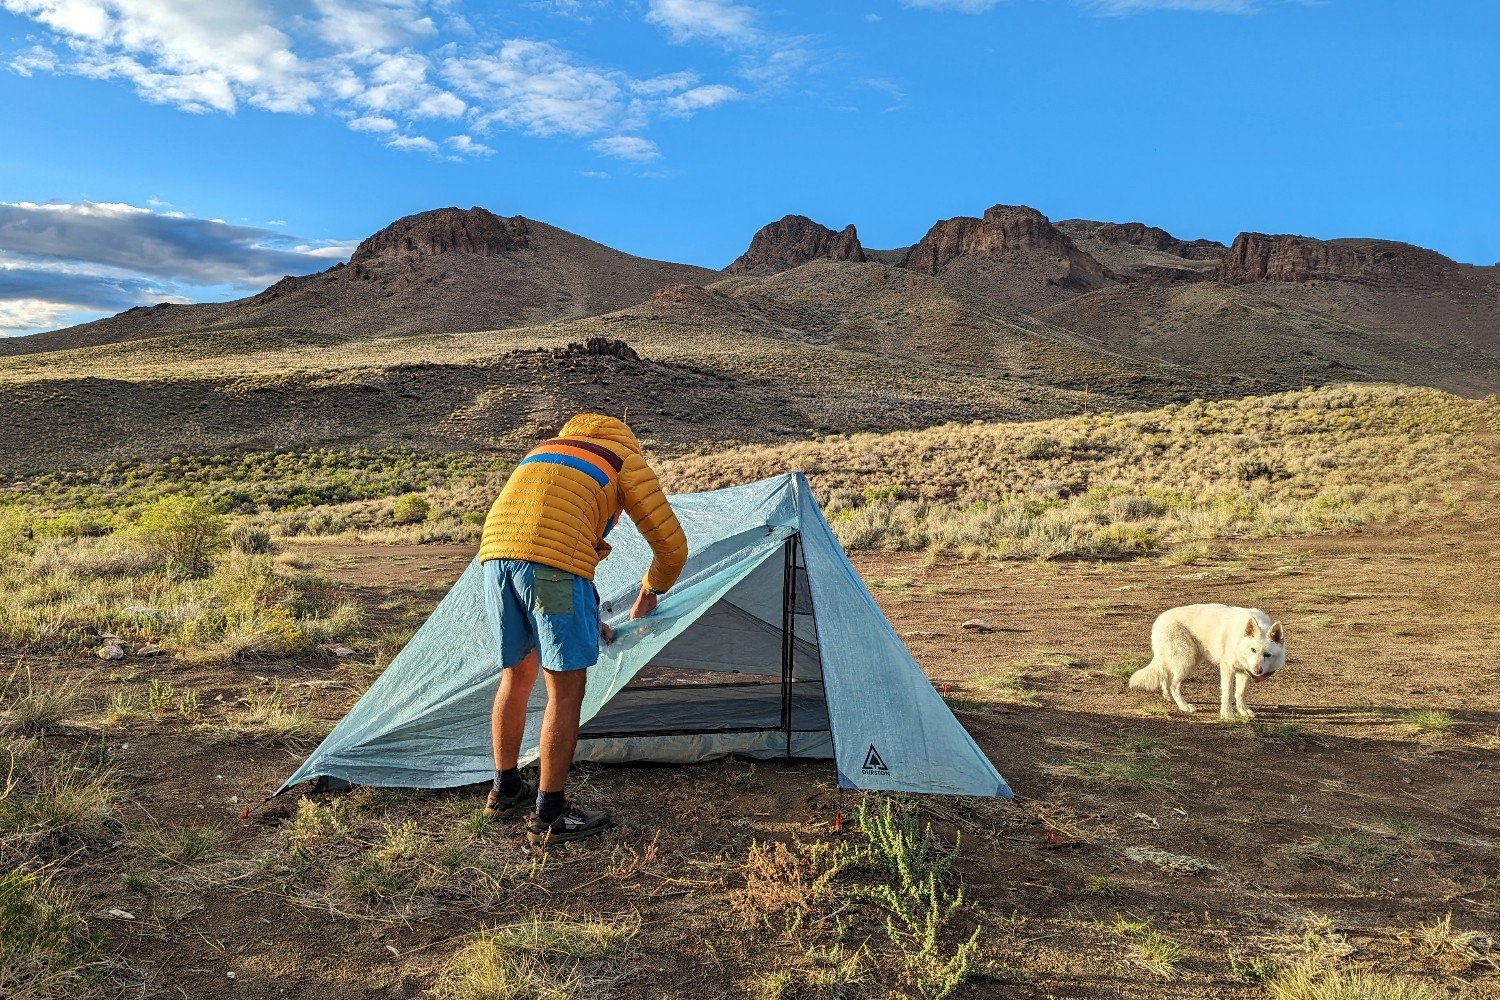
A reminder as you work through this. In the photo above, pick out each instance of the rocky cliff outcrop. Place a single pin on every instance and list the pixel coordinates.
(1012, 253)
(793, 241)
(442, 231)
(1257, 257)
(1138, 234)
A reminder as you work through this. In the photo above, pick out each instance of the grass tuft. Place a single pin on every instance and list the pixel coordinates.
(47, 951)
(539, 959)
(1307, 982)
(1429, 721)
(1153, 950)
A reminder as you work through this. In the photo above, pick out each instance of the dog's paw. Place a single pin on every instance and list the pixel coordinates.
(1247, 713)
(1189, 709)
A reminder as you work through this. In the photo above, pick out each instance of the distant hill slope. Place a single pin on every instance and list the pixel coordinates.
(878, 309)
(450, 330)
(444, 271)
(1410, 291)
(1237, 332)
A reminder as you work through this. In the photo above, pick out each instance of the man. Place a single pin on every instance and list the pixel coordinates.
(542, 540)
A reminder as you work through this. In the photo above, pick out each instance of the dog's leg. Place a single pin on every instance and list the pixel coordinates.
(1241, 682)
(1174, 688)
(1226, 682)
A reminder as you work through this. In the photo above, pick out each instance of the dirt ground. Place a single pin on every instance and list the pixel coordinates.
(1330, 822)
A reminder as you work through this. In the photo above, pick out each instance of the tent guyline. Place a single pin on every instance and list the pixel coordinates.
(770, 646)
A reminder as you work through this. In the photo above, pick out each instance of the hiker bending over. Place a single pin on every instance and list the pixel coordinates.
(542, 540)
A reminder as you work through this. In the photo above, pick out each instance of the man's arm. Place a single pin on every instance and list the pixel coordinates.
(644, 501)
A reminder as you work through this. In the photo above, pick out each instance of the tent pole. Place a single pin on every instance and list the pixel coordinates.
(788, 634)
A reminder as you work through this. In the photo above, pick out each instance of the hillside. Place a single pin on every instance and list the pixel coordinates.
(443, 271)
(441, 333)
(1227, 331)
(1409, 291)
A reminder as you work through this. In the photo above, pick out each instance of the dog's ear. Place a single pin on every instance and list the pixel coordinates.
(1252, 627)
(1276, 632)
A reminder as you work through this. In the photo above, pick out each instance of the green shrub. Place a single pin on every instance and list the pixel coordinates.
(251, 539)
(187, 532)
(15, 533)
(411, 509)
(1039, 446)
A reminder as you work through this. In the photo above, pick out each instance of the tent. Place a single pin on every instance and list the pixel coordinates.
(769, 646)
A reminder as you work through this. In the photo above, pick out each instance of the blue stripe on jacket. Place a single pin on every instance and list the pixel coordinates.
(591, 470)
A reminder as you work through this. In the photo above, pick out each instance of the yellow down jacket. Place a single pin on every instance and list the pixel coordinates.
(567, 493)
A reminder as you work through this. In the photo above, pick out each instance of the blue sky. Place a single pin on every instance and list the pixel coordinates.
(194, 149)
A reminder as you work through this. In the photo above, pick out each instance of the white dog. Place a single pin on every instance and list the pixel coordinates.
(1243, 643)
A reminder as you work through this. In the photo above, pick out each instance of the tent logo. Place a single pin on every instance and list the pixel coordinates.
(874, 763)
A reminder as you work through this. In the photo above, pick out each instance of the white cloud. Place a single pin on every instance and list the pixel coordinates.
(73, 261)
(373, 123)
(597, 175)
(167, 245)
(197, 56)
(19, 317)
(464, 145)
(397, 82)
(668, 83)
(627, 147)
(713, 20)
(394, 69)
(538, 88)
(419, 143)
(699, 98)
(372, 24)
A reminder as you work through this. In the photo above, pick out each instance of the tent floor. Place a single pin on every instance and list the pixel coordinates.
(707, 708)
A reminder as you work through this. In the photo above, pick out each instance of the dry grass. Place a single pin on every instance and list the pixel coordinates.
(32, 708)
(1308, 982)
(786, 882)
(1325, 458)
(557, 958)
(1454, 949)
(61, 594)
(47, 951)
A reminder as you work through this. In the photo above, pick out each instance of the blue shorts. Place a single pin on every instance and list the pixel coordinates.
(532, 606)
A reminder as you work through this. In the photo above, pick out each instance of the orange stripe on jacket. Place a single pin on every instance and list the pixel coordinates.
(579, 453)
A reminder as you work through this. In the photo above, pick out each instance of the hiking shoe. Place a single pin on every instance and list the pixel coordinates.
(575, 823)
(499, 806)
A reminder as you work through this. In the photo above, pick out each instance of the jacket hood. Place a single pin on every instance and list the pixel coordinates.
(597, 425)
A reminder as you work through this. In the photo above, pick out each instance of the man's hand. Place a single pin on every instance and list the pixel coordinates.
(606, 633)
(645, 603)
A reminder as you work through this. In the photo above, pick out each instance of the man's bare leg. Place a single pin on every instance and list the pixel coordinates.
(560, 726)
(508, 716)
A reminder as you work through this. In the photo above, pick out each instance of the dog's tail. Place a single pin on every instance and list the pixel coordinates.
(1149, 677)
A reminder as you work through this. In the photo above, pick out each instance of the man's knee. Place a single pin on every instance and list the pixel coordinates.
(524, 668)
(566, 687)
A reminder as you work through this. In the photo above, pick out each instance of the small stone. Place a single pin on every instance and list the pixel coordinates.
(977, 625)
(110, 651)
(121, 914)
